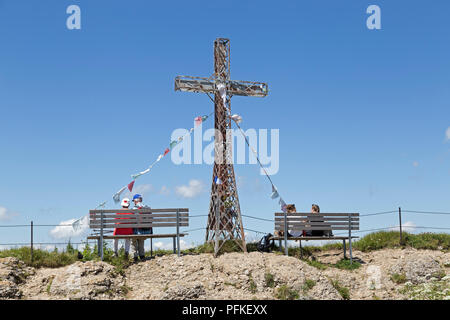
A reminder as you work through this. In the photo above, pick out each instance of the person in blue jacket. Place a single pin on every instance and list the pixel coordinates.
(138, 244)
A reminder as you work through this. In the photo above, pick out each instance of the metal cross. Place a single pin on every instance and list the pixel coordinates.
(224, 219)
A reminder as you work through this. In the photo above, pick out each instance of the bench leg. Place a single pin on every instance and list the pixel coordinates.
(174, 245)
(345, 249)
(301, 250)
(151, 247)
(99, 247)
(279, 245)
(350, 249)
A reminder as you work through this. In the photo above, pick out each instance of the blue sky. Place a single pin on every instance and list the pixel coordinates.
(362, 113)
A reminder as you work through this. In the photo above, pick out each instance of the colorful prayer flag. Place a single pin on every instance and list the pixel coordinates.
(236, 118)
(173, 144)
(116, 197)
(166, 151)
(137, 175)
(274, 193)
(217, 180)
(130, 186)
(198, 120)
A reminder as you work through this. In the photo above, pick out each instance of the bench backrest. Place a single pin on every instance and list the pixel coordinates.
(298, 221)
(138, 218)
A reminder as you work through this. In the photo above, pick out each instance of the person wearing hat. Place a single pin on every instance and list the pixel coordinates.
(138, 244)
(123, 231)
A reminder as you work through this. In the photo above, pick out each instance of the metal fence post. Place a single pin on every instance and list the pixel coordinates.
(400, 221)
(31, 247)
(101, 236)
(350, 237)
(178, 232)
(285, 234)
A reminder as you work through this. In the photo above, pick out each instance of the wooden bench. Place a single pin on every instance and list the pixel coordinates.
(105, 221)
(297, 222)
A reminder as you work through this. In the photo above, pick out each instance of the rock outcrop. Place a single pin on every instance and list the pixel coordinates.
(237, 276)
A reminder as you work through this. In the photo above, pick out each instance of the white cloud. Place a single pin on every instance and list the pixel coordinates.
(194, 188)
(447, 134)
(408, 226)
(66, 229)
(415, 164)
(169, 245)
(5, 214)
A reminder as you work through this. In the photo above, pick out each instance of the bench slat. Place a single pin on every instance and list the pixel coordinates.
(325, 219)
(313, 238)
(314, 228)
(156, 215)
(137, 220)
(146, 236)
(300, 214)
(134, 225)
(318, 224)
(139, 210)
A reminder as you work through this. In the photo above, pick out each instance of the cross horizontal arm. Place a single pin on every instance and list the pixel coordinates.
(206, 85)
(194, 84)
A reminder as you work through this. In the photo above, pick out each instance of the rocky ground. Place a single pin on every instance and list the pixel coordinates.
(384, 274)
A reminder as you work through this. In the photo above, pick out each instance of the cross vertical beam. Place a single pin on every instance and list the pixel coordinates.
(224, 218)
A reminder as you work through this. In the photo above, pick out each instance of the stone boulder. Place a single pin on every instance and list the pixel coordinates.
(417, 269)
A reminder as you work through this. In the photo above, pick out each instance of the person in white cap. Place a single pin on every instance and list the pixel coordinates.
(123, 231)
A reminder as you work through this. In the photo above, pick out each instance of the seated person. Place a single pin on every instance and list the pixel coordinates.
(317, 233)
(290, 208)
(123, 231)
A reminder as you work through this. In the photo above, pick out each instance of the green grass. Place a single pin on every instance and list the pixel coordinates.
(56, 258)
(228, 247)
(345, 264)
(398, 278)
(308, 285)
(434, 290)
(381, 240)
(391, 239)
(49, 285)
(269, 280)
(316, 264)
(253, 286)
(343, 291)
(41, 258)
(286, 293)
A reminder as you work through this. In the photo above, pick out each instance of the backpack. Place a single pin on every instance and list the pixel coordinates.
(265, 245)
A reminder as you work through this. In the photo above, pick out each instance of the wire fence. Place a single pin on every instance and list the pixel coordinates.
(393, 227)
(442, 227)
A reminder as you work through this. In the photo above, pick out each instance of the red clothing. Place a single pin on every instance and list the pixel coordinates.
(123, 231)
